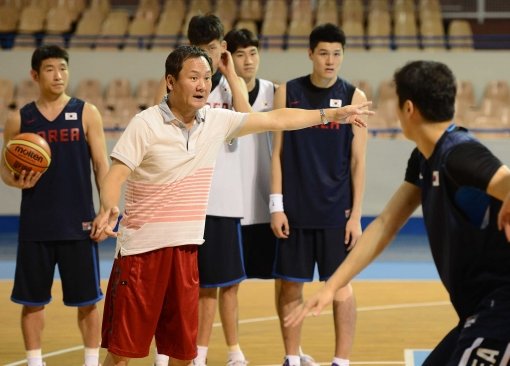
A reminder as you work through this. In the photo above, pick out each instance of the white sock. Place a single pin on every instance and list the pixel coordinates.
(293, 360)
(202, 353)
(160, 359)
(34, 357)
(91, 356)
(340, 361)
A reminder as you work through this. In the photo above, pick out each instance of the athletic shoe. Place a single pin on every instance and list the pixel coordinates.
(307, 360)
(286, 363)
(237, 363)
(199, 362)
(334, 364)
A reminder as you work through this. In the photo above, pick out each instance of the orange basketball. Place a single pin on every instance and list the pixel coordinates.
(27, 151)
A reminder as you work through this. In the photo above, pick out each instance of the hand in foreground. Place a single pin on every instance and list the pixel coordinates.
(25, 180)
(314, 305)
(504, 217)
(353, 114)
(104, 223)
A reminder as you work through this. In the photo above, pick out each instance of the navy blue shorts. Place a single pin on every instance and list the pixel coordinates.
(483, 339)
(296, 256)
(259, 245)
(220, 258)
(78, 265)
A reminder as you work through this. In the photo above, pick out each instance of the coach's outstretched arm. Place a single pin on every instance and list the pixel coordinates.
(373, 241)
(293, 118)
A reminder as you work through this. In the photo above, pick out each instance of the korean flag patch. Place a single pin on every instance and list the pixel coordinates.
(71, 116)
(335, 103)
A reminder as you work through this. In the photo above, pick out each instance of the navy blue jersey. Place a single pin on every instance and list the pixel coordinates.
(316, 161)
(472, 256)
(60, 206)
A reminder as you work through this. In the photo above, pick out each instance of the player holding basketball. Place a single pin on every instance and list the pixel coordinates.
(318, 182)
(460, 185)
(57, 211)
(167, 155)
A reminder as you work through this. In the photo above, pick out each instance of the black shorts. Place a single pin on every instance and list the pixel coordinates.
(259, 245)
(220, 258)
(483, 339)
(296, 256)
(78, 265)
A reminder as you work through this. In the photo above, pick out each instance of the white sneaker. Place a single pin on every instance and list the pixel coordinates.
(198, 362)
(307, 360)
(237, 363)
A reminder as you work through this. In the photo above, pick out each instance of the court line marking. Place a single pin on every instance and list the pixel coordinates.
(275, 317)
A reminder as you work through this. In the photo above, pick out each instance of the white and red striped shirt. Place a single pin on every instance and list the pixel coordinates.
(167, 192)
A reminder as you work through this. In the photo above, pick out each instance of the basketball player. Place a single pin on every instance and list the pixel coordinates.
(257, 237)
(57, 211)
(167, 155)
(318, 181)
(460, 185)
(220, 259)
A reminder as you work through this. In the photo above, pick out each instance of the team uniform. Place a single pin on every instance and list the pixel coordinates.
(162, 224)
(472, 256)
(220, 259)
(56, 215)
(258, 238)
(316, 185)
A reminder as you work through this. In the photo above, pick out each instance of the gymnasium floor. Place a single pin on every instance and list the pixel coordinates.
(402, 312)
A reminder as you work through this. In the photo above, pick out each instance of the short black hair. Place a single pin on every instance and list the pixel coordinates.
(240, 38)
(204, 29)
(176, 58)
(45, 52)
(431, 86)
(327, 32)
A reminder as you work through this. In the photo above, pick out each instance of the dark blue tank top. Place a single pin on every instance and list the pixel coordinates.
(472, 256)
(60, 206)
(316, 161)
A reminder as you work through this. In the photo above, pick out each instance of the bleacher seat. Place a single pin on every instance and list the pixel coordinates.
(460, 35)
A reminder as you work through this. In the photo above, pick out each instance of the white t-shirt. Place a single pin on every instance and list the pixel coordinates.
(256, 163)
(167, 192)
(226, 198)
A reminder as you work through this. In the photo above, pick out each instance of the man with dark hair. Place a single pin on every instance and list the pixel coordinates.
(57, 209)
(317, 228)
(167, 156)
(460, 185)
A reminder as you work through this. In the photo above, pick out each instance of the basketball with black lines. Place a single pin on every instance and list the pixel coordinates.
(27, 151)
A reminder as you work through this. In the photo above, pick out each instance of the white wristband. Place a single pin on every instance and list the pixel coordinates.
(275, 202)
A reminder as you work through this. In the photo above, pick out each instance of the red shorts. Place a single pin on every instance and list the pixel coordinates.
(153, 294)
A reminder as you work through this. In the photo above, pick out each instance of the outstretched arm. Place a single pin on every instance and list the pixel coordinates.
(499, 187)
(373, 241)
(294, 119)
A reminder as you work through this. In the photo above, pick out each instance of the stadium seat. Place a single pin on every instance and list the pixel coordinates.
(379, 30)
(327, 12)
(460, 35)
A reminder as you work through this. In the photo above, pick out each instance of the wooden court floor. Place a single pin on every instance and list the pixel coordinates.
(392, 316)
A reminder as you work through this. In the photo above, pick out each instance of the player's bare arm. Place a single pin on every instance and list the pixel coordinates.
(358, 173)
(279, 221)
(236, 83)
(499, 187)
(94, 132)
(25, 179)
(376, 237)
